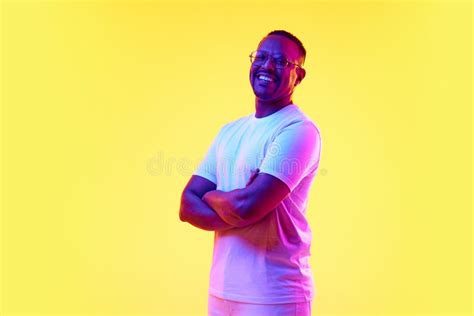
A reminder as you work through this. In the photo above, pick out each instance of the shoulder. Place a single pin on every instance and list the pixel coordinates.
(235, 123)
(300, 122)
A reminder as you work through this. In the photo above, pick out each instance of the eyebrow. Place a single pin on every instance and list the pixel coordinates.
(278, 54)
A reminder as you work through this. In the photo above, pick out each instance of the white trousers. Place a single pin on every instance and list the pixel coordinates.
(221, 307)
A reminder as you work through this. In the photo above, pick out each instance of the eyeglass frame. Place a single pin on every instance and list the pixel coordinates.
(271, 57)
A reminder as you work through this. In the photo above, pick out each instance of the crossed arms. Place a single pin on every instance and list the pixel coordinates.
(207, 208)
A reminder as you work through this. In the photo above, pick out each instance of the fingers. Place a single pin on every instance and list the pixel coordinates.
(253, 175)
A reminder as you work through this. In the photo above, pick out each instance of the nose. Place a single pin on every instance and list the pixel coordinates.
(268, 64)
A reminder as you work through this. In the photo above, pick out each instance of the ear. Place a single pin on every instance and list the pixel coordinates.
(301, 74)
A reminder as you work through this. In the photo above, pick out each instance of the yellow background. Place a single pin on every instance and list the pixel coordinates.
(108, 107)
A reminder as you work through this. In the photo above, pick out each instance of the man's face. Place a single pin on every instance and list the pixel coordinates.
(283, 80)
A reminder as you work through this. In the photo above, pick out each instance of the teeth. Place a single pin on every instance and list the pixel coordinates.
(262, 77)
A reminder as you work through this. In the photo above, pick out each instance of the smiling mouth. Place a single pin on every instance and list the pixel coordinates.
(265, 79)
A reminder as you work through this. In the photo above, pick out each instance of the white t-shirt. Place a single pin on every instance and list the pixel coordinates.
(266, 262)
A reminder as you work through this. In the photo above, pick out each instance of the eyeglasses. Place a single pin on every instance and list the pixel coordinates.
(259, 58)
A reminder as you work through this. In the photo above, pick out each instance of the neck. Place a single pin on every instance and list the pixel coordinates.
(264, 108)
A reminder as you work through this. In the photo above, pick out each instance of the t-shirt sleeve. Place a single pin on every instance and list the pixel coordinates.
(294, 153)
(208, 166)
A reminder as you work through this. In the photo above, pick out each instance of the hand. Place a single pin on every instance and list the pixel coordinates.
(207, 197)
(224, 204)
(253, 175)
(212, 197)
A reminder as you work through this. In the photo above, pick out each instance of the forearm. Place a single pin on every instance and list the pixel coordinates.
(230, 206)
(249, 205)
(196, 212)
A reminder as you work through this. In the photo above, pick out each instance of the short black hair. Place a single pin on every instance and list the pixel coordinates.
(292, 38)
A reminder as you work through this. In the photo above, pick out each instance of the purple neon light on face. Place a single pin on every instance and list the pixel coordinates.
(269, 82)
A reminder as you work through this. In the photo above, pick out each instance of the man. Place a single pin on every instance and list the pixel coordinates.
(252, 190)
